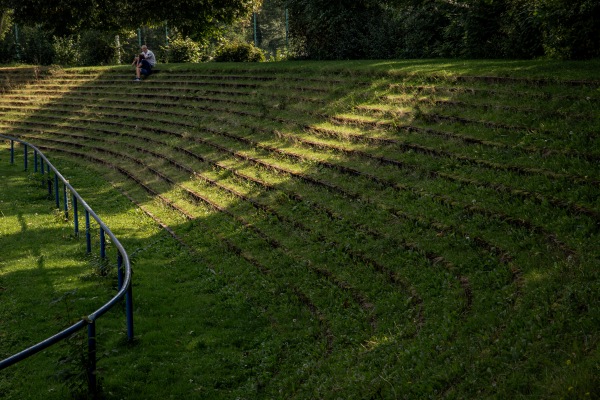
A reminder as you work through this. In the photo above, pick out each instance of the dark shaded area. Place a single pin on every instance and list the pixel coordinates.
(508, 29)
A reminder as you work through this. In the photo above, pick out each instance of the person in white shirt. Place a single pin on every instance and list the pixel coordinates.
(148, 56)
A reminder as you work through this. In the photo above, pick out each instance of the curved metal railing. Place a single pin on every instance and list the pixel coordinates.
(123, 264)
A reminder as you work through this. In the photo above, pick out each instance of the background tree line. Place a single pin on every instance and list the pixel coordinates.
(105, 31)
(341, 29)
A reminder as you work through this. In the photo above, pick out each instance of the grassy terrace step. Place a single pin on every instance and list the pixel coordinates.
(407, 128)
(499, 129)
(516, 223)
(388, 231)
(521, 170)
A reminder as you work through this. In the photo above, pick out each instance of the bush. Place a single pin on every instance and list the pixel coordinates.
(422, 32)
(36, 47)
(521, 27)
(279, 55)
(182, 50)
(65, 50)
(344, 29)
(97, 48)
(571, 28)
(239, 52)
(8, 50)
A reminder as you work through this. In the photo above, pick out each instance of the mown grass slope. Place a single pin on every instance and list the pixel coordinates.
(340, 230)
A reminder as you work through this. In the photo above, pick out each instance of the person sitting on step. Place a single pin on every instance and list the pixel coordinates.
(143, 67)
(148, 55)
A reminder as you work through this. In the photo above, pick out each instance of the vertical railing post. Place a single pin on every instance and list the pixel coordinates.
(102, 244)
(88, 238)
(120, 270)
(91, 372)
(75, 215)
(65, 199)
(49, 182)
(25, 148)
(56, 196)
(129, 312)
(35, 162)
(42, 170)
(12, 151)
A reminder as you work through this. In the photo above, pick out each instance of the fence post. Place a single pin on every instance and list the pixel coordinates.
(102, 244)
(120, 270)
(129, 312)
(88, 238)
(12, 151)
(35, 169)
(166, 34)
(91, 372)
(42, 170)
(56, 197)
(66, 201)
(118, 48)
(49, 182)
(75, 215)
(17, 42)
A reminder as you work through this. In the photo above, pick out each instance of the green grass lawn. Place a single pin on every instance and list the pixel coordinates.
(360, 229)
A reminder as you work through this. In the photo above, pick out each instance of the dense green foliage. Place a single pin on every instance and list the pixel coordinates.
(36, 46)
(239, 52)
(42, 29)
(64, 17)
(344, 29)
(182, 50)
(439, 28)
(88, 47)
(65, 51)
(270, 27)
(313, 230)
(339, 30)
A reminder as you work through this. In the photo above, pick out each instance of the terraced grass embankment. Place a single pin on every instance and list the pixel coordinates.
(390, 235)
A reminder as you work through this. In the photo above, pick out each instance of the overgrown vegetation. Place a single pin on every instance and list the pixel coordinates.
(330, 230)
(239, 52)
(30, 31)
(182, 50)
(513, 29)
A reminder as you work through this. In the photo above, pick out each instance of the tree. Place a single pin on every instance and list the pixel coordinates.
(194, 18)
(338, 29)
(571, 28)
(5, 22)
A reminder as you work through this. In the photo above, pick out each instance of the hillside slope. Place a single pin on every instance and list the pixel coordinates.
(379, 233)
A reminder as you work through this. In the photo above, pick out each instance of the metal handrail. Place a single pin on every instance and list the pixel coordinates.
(123, 267)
